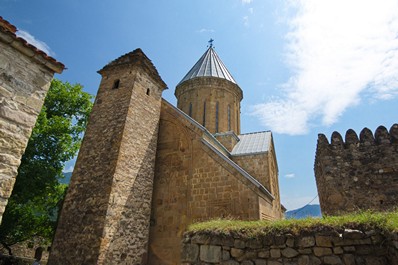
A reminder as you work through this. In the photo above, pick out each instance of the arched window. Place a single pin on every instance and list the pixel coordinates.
(148, 92)
(190, 110)
(217, 117)
(229, 118)
(204, 114)
(116, 84)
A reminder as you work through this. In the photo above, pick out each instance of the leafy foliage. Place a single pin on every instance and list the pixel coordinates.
(55, 139)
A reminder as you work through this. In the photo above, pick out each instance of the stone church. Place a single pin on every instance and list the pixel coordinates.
(147, 169)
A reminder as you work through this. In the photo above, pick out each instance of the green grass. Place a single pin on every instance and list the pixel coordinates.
(363, 220)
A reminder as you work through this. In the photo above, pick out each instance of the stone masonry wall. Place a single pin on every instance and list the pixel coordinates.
(24, 82)
(192, 183)
(211, 90)
(312, 247)
(106, 213)
(358, 173)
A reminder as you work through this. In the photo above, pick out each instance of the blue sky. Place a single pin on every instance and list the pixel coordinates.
(305, 66)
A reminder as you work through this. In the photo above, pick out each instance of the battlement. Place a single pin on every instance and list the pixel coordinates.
(366, 138)
(357, 172)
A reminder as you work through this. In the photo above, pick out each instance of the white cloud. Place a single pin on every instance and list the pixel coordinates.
(338, 51)
(251, 10)
(246, 1)
(290, 175)
(203, 30)
(35, 42)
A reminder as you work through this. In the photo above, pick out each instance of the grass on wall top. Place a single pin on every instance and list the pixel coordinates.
(387, 221)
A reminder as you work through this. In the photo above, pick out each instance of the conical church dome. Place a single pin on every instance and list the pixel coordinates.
(210, 95)
(209, 65)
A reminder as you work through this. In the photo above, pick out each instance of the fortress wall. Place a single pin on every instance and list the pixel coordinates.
(358, 172)
(24, 82)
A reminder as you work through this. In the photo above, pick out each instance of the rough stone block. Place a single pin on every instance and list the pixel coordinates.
(307, 241)
(304, 260)
(210, 253)
(289, 253)
(260, 262)
(323, 241)
(263, 254)
(332, 260)
(275, 253)
(236, 252)
(319, 252)
(190, 252)
(349, 259)
(239, 243)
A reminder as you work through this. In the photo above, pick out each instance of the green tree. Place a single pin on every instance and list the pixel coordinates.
(33, 206)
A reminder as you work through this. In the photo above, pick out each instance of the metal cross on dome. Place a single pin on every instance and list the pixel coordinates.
(211, 42)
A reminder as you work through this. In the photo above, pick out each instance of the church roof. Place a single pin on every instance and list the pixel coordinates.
(252, 143)
(209, 65)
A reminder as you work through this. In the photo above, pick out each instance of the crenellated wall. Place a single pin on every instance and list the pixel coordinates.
(357, 172)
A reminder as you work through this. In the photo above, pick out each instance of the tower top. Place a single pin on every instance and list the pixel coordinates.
(209, 65)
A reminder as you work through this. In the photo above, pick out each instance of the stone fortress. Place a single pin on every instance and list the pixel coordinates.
(146, 169)
(358, 173)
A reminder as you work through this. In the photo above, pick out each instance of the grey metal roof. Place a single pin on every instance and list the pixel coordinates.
(209, 65)
(252, 143)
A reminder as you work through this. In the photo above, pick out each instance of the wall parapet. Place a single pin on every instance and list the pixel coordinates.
(366, 138)
(321, 245)
(357, 173)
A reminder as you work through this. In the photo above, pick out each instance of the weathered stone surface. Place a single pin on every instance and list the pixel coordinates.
(323, 241)
(190, 252)
(230, 262)
(319, 252)
(274, 262)
(236, 252)
(112, 183)
(239, 243)
(226, 255)
(332, 260)
(289, 252)
(356, 254)
(307, 241)
(260, 262)
(264, 254)
(275, 253)
(338, 250)
(24, 82)
(304, 260)
(209, 253)
(357, 174)
(349, 259)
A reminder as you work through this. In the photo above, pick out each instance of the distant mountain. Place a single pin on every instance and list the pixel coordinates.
(313, 210)
(66, 179)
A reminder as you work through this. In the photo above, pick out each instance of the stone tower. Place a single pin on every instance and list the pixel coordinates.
(106, 214)
(358, 173)
(209, 94)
